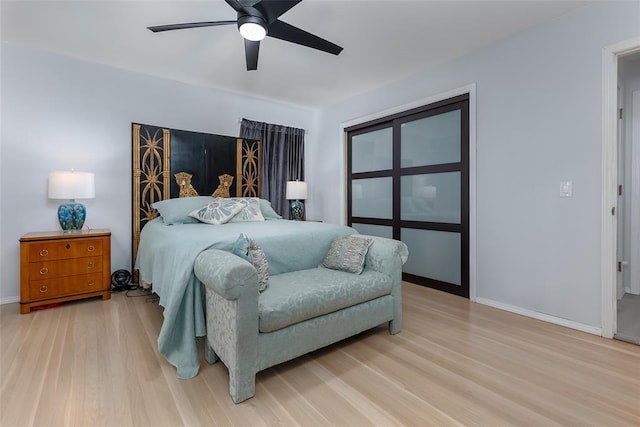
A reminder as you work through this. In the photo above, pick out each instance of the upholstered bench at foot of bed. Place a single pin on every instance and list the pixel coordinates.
(299, 312)
(301, 295)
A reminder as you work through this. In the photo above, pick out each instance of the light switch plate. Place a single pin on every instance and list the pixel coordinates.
(566, 189)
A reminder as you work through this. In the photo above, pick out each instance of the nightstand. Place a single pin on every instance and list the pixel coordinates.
(58, 266)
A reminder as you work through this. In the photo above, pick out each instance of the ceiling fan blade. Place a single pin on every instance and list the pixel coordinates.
(273, 9)
(239, 5)
(235, 4)
(186, 25)
(251, 49)
(283, 31)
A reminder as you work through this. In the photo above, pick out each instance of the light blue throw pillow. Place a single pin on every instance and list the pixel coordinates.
(267, 210)
(176, 211)
(241, 247)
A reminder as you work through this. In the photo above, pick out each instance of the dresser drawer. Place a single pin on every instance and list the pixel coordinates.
(64, 267)
(61, 249)
(42, 289)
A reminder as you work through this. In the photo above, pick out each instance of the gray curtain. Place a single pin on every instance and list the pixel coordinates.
(282, 159)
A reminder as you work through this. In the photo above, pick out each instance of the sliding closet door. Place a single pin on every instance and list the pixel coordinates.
(371, 183)
(409, 179)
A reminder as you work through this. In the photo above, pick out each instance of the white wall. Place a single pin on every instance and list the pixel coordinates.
(60, 113)
(539, 100)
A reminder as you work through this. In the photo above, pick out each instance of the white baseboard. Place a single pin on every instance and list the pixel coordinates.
(9, 300)
(541, 316)
(625, 290)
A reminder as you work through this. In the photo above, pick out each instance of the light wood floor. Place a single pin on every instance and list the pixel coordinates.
(455, 363)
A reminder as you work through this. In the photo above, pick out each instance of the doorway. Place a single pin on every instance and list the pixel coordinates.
(628, 227)
(610, 182)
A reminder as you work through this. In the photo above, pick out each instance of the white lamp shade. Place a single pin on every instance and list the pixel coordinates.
(71, 185)
(296, 190)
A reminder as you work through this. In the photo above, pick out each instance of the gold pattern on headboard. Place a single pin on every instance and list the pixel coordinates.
(248, 173)
(151, 170)
(225, 184)
(183, 179)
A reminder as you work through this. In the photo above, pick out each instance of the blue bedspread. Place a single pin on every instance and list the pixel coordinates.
(166, 254)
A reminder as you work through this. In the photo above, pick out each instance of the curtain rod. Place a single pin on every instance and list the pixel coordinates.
(306, 131)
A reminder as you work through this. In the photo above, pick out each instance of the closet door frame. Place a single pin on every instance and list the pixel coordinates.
(395, 121)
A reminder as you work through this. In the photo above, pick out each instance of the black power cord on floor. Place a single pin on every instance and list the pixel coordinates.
(121, 281)
(138, 291)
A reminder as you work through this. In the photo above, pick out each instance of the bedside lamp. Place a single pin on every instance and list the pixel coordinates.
(71, 185)
(296, 191)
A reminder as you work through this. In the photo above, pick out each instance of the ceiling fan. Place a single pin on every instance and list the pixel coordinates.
(258, 19)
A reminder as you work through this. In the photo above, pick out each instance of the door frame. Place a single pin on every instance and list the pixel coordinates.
(468, 89)
(609, 225)
(634, 253)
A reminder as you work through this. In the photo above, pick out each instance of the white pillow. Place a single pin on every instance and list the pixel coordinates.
(250, 213)
(219, 211)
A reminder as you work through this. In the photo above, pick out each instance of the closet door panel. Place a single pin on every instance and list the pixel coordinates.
(374, 230)
(372, 151)
(433, 254)
(431, 198)
(431, 140)
(372, 198)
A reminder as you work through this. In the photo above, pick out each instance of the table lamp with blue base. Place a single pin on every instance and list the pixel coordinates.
(71, 185)
(296, 192)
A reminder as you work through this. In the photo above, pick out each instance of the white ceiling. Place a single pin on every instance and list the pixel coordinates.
(382, 40)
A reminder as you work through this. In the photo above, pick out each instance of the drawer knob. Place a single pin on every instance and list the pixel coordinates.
(44, 288)
(44, 270)
(90, 265)
(91, 282)
(44, 252)
(91, 248)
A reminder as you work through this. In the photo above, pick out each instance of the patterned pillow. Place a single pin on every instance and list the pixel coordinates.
(259, 261)
(347, 253)
(251, 212)
(219, 211)
(252, 252)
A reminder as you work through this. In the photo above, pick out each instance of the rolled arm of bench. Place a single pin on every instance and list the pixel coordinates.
(386, 255)
(227, 274)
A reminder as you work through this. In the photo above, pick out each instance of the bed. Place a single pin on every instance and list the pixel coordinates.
(174, 172)
(166, 255)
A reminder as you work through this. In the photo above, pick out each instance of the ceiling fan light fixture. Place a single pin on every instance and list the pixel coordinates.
(252, 31)
(252, 28)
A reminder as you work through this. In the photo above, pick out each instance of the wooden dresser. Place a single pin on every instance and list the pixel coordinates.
(58, 266)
